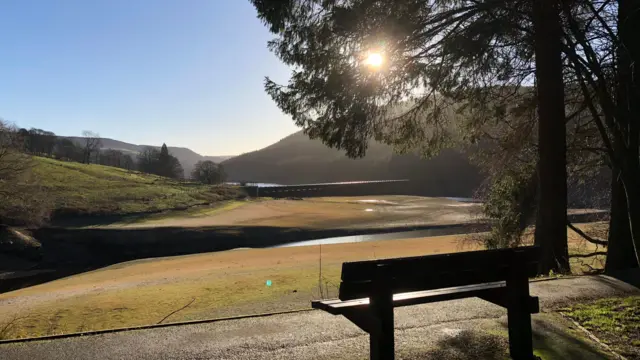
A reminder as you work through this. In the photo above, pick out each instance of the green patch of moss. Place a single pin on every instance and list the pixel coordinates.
(616, 321)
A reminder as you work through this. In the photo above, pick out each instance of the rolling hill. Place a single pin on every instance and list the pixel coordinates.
(90, 189)
(187, 157)
(297, 159)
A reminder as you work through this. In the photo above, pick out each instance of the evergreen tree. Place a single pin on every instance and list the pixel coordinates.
(451, 70)
(164, 152)
(161, 163)
(461, 72)
(164, 162)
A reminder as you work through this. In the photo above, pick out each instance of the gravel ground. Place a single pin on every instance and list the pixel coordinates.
(440, 330)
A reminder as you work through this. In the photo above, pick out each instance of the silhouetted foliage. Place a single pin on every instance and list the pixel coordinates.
(36, 141)
(66, 149)
(453, 70)
(147, 159)
(127, 162)
(459, 71)
(160, 162)
(113, 158)
(208, 172)
(92, 146)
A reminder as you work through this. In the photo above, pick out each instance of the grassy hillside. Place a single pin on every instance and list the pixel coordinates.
(297, 159)
(78, 188)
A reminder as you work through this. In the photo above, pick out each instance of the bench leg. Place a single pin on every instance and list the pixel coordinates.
(381, 340)
(519, 318)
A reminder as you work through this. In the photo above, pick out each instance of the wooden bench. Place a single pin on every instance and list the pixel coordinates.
(369, 291)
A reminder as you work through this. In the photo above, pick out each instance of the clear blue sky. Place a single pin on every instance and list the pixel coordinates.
(185, 72)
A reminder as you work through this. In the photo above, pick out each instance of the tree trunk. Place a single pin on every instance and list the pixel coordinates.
(551, 231)
(624, 232)
(631, 187)
(620, 251)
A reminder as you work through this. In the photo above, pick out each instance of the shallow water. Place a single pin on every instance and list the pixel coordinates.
(436, 231)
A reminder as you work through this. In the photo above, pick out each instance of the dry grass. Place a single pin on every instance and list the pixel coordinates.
(223, 284)
(329, 213)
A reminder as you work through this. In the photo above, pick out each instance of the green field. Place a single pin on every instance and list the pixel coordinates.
(78, 189)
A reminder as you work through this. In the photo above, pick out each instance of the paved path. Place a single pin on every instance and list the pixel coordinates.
(314, 334)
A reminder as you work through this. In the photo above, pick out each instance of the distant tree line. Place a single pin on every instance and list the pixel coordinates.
(160, 162)
(23, 198)
(89, 151)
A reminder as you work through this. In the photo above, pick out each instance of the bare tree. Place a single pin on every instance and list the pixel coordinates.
(92, 144)
(208, 172)
(68, 150)
(147, 159)
(127, 162)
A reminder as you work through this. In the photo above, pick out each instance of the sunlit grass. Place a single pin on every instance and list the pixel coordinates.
(148, 304)
(96, 189)
(194, 212)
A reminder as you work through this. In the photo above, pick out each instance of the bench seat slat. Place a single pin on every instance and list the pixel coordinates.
(441, 263)
(338, 307)
(430, 281)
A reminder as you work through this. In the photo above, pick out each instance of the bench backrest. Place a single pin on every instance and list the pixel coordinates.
(360, 279)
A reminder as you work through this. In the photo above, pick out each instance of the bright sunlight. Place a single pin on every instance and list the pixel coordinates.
(374, 60)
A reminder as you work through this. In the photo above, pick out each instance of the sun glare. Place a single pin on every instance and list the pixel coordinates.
(374, 60)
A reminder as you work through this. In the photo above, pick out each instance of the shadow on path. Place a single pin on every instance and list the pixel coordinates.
(553, 338)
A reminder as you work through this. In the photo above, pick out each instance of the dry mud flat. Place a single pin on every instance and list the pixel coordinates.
(329, 212)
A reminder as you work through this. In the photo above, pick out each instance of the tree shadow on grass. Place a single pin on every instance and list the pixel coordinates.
(559, 340)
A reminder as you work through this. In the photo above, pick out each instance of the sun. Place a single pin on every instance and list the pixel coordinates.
(374, 60)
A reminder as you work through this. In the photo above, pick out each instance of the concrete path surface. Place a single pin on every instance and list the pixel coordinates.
(460, 329)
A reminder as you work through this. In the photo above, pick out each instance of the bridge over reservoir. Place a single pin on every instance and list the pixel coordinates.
(350, 188)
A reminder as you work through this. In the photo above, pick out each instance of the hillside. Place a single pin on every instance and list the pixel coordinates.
(187, 157)
(297, 159)
(78, 188)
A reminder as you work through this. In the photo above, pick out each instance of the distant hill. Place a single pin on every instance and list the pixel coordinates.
(297, 159)
(187, 157)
